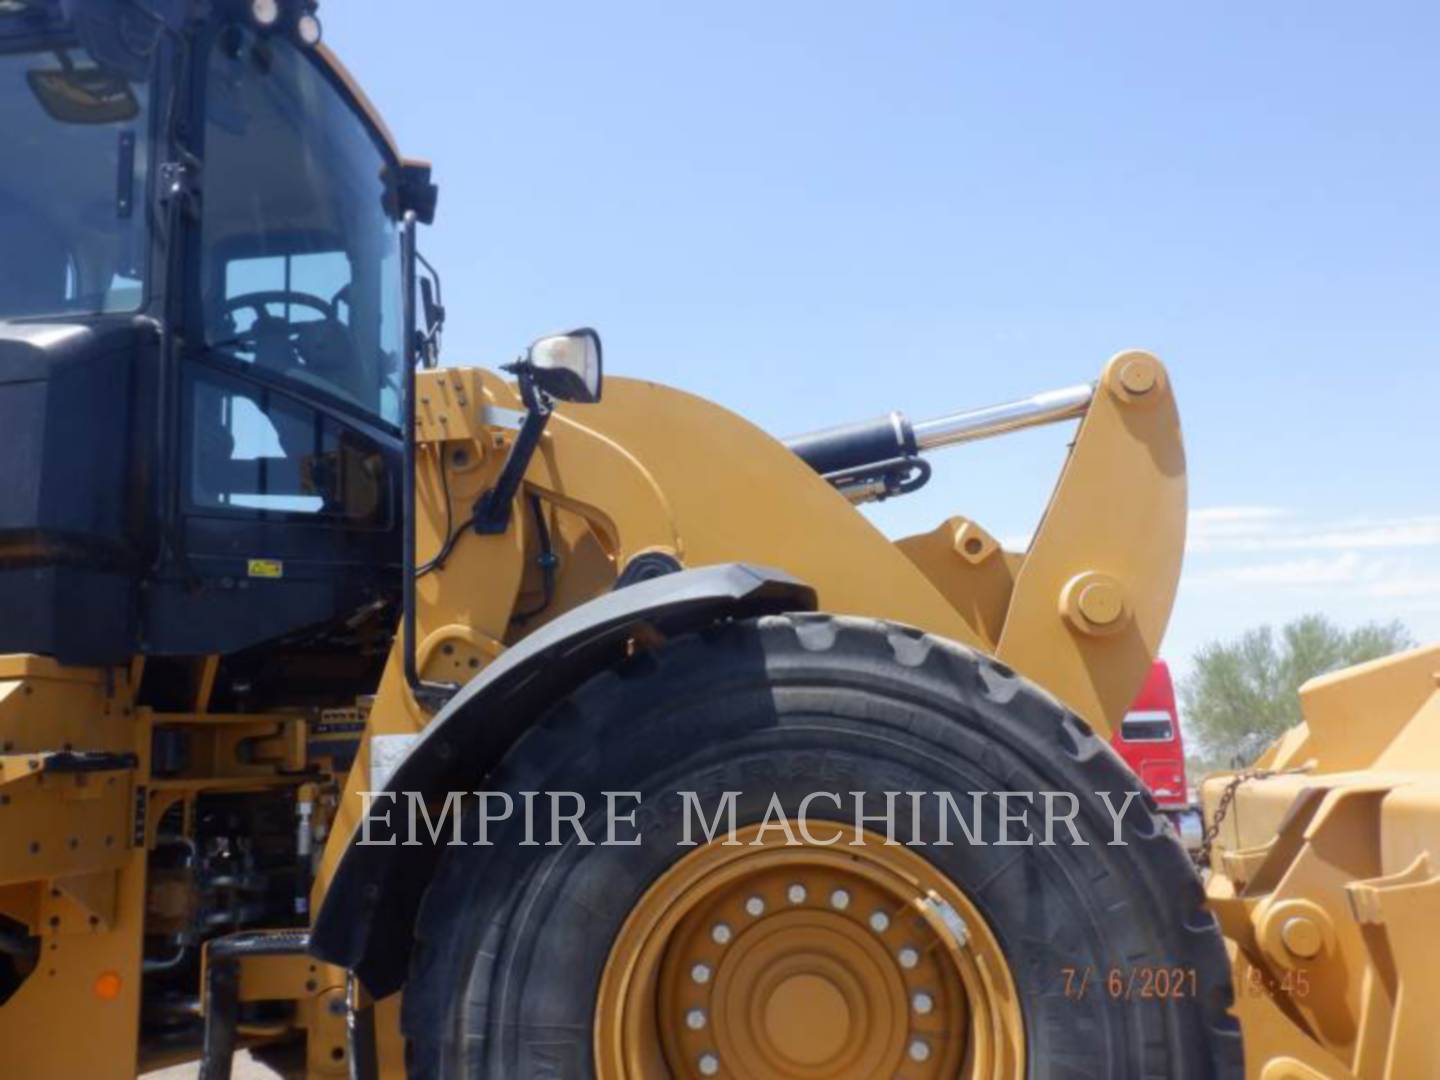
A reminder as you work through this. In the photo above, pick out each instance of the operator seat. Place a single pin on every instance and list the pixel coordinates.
(33, 262)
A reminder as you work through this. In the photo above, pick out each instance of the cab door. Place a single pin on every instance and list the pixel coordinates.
(289, 448)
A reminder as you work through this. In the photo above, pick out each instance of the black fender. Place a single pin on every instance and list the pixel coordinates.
(365, 921)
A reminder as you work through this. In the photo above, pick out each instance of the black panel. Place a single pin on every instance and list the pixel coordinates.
(234, 612)
(84, 576)
(80, 615)
(71, 534)
(327, 548)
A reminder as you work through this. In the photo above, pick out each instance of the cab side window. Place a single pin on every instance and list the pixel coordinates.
(299, 243)
(255, 449)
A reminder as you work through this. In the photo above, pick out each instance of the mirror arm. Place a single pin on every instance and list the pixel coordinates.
(492, 510)
(430, 695)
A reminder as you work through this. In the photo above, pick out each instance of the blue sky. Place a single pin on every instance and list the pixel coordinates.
(813, 212)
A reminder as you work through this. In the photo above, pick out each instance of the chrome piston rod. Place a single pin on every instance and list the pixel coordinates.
(875, 459)
(1050, 407)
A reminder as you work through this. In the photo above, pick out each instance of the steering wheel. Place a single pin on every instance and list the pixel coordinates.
(257, 303)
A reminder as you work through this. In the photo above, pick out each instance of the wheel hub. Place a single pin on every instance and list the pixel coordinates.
(806, 962)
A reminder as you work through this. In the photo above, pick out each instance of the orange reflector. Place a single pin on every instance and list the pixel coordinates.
(107, 985)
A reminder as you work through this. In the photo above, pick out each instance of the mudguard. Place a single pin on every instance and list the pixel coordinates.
(365, 921)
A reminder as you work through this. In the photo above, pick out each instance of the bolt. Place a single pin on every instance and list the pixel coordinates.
(1301, 936)
(720, 934)
(908, 957)
(879, 922)
(1094, 603)
(695, 1019)
(700, 973)
(796, 894)
(1101, 602)
(755, 906)
(919, 1050)
(839, 899)
(923, 1003)
(1138, 375)
(709, 1064)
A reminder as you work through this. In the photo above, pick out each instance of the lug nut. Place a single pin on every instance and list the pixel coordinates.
(700, 973)
(695, 1019)
(755, 906)
(919, 1050)
(908, 957)
(709, 1064)
(796, 894)
(923, 1003)
(839, 899)
(720, 934)
(879, 922)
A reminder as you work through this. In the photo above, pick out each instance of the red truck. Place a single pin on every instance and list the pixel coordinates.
(1149, 740)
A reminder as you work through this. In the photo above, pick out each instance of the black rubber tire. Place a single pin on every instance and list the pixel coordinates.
(511, 941)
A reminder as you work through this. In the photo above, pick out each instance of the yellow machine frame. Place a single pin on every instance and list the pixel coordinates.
(1324, 879)
(649, 469)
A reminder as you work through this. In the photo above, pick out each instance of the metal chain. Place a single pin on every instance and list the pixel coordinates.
(1227, 797)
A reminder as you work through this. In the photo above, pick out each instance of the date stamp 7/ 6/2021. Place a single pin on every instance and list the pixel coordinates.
(1129, 983)
(1167, 983)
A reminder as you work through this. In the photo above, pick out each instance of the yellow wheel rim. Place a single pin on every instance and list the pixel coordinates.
(759, 958)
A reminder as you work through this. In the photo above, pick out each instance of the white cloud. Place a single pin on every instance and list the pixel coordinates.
(1224, 515)
(1274, 529)
(1344, 569)
(1253, 565)
(1405, 585)
(1258, 529)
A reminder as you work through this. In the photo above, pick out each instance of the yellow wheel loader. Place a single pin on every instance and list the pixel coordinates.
(382, 718)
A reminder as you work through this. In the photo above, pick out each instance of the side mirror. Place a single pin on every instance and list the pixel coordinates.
(567, 366)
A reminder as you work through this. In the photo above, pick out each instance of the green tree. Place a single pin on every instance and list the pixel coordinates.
(1242, 693)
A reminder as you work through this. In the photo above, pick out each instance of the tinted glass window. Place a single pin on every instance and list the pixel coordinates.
(301, 265)
(72, 186)
(1147, 726)
(256, 449)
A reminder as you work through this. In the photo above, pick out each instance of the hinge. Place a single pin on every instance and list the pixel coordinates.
(180, 180)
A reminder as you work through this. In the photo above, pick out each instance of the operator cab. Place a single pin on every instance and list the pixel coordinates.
(201, 340)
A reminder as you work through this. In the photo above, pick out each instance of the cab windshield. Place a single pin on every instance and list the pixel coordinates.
(300, 264)
(72, 185)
